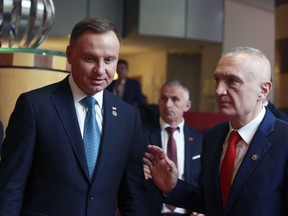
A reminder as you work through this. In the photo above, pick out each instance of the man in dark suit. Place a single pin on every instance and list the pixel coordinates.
(259, 156)
(126, 88)
(44, 167)
(173, 102)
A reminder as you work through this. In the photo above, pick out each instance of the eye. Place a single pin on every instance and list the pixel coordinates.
(109, 60)
(175, 99)
(163, 99)
(232, 81)
(216, 79)
(89, 58)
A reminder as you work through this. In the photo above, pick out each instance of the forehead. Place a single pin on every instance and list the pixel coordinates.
(239, 66)
(172, 90)
(89, 38)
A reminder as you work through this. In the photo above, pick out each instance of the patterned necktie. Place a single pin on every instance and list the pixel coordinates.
(227, 167)
(91, 134)
(172, 154)
(171, 145)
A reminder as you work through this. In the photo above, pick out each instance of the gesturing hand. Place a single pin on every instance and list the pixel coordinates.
(163, 170)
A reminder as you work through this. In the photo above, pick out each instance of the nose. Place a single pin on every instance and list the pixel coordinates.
(220, 88)
(168, 103)
(99, 68)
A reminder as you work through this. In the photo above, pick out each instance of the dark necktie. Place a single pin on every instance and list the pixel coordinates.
(171, 145)
(227, 167)
(91, 134)
(172, 153)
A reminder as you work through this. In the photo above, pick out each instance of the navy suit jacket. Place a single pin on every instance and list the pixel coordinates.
(44, 171)
(192, 165)
(277, 112)
(132, 93)
(260, 187)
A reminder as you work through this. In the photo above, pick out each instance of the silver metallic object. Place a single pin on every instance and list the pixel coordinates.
(25, 23)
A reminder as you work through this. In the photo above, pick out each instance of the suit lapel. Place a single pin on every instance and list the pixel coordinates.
(219, 139)
(188, 139)
(111, 123)
(64, 105)
(258, 149)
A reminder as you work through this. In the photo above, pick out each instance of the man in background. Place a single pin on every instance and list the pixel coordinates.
(173, 102)
(126, 88)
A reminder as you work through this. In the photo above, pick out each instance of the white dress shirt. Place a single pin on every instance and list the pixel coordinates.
(78, 95)
(180, 145)
(247, 133)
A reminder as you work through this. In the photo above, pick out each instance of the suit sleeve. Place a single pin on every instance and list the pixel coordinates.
(16, 158)
(185, 195)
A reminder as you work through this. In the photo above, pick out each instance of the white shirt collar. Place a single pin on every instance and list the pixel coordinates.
(247, 131)
(164, 125)
(78, 94)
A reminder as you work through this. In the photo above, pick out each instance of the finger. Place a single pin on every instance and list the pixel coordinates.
(155, 149)
(148, 155)
(147, 162)
(146, 172)
(146, 168)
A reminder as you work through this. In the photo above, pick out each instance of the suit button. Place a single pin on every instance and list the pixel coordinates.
(91, 196)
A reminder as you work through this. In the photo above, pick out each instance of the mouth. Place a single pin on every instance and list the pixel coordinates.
(169, 113)
(223, 103)
(96, 81)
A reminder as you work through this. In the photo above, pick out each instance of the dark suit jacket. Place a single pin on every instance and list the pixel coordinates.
(277, 112)
(1, 135)
(193, 146)
(132, 93)
(43, 169)
(260, 186)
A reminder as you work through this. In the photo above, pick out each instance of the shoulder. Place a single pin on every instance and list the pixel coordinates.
(218, 130)
(130, 81)
(191, 132)
(62, 85)
(110, 100)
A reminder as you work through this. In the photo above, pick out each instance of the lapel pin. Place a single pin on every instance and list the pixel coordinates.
(114, 111)
(255, 157)
(190, 138)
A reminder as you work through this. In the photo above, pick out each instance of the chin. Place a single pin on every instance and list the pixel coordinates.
(225, 112)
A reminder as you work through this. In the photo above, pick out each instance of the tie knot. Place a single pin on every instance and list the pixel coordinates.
(88, 102)
(234, 137)
(171, 130)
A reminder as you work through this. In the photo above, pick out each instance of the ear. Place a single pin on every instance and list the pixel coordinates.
(265, 89)
(188, 105)
(68, 54)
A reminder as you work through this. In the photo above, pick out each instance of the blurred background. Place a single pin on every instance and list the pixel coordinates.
(162, 40)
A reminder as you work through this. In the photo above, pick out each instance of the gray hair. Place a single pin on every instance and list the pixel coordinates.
(177, 83)
(262, 63)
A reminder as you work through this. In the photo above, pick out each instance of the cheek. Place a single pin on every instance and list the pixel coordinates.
(80, 65)
(111, 70)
